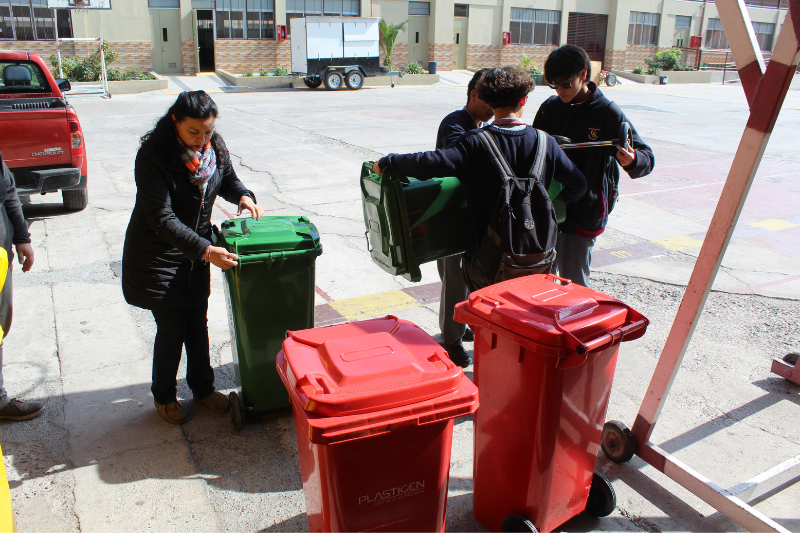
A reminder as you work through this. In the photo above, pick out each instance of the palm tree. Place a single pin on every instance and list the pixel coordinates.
(389, 33)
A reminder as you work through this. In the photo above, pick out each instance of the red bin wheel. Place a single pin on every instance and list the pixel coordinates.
(617, 442)
(602, 498)
(517, 522)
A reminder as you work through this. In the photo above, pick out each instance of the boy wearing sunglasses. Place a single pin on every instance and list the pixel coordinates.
(581, 112)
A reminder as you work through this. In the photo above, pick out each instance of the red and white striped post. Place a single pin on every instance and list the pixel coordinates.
(766, 90)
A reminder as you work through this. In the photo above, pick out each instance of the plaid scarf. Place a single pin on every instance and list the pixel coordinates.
(202, 164)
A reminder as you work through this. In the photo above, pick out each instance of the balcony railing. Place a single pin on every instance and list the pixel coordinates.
(768, 4)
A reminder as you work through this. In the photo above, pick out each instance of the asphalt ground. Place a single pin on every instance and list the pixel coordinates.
(100, 458)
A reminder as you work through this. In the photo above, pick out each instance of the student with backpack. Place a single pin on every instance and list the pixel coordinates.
(511, 229)
(581, 112)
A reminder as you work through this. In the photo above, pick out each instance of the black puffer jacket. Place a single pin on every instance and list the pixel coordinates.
(162, 262)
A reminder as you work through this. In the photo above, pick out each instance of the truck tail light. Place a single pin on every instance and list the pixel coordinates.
(75, 133)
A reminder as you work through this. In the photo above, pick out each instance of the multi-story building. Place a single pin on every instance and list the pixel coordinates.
(187, 36)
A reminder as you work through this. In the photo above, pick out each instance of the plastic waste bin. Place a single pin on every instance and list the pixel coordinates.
(431, 67)
(270, 291)
(373, 404)
(411, 222)
(545, 354)
(663, 79)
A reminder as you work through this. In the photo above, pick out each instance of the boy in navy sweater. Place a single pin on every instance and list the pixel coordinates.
(581, 112)
(506, 91)
(454, 288)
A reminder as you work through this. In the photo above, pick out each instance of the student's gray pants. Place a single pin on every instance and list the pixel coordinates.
(574, 257)
(454, 290)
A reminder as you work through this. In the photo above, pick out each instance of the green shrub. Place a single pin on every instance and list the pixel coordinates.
(666, 60)
(414, 68)
(526, 63)
(248, 74)
(85, 69)
(638, 70)
(263, 72)
(280, 71)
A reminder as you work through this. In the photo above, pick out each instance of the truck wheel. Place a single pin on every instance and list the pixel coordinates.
(312, 83)
(333, 81)
(75, 199)
(354, 80)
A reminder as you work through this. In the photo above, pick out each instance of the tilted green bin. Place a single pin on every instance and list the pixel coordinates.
(270, 291)
(411, 222)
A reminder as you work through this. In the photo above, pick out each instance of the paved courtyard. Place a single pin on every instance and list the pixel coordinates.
(101, 459)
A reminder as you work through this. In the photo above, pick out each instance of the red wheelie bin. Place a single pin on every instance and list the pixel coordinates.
(374, 403)
(545, 354)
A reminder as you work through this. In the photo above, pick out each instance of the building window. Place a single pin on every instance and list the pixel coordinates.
(309, 8)
(419, 8)
(683, 22)
(230, 19)
(764, 31)
(461, 10)
(715, 35)
(260, 19)
(534, 26)
(175, 4)
(643, 28)
(29, 20)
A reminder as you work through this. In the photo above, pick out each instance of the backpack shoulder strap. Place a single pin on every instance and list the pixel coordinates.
(537, 169)
(499, 160)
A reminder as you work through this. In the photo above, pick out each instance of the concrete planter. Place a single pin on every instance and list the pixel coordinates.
(675, 76)
(407, 79)
(257, 82)
(129, 86)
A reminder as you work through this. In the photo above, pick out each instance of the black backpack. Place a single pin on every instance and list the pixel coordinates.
(522, 233)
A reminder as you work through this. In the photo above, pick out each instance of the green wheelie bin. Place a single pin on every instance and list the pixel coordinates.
(270, 291)
(410, 222)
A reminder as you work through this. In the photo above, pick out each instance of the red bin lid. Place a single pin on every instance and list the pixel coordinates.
(552, 311)
(365, 366)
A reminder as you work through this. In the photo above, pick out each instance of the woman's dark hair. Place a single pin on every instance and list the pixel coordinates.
(504, 86)
(163, 140)
(566, 62)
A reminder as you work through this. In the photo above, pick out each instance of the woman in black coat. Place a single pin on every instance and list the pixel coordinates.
(181, 168)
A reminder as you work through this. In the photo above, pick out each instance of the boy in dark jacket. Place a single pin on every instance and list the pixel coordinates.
(454, 288)
(581, 112)
(13, 230)
(506, 91)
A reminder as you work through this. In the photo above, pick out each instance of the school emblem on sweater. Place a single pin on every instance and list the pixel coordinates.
(594, 133)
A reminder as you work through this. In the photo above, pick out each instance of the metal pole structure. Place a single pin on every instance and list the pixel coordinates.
(766, 90)
(103, 58)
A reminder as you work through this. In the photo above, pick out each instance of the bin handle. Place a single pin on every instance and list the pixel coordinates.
(554, 277)
(369, 245)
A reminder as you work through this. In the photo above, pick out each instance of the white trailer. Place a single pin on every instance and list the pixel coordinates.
(336, 51)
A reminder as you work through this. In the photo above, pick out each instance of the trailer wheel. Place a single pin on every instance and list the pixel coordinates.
(354, 80)
(312, 83)
(333, 81)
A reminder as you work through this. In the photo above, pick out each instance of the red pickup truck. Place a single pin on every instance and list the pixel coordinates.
(40, 136)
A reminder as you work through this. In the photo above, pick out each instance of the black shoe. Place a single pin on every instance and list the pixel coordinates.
(469, 336)
(458, 354)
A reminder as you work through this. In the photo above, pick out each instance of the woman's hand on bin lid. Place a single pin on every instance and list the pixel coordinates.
(246, 202)
(376, 169)
(222, 258)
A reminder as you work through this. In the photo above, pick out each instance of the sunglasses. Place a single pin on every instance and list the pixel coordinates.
(563, 84)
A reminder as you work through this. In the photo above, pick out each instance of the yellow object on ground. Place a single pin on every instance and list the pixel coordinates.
(7, 523)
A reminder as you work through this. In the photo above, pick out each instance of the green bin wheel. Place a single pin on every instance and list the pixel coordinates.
(617, 442)
(236, 411)
(602, 499)
(516, 522)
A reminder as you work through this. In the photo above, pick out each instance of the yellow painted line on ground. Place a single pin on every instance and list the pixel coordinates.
(676, 244)
(7, 522)
(374, 304)
(774, 224)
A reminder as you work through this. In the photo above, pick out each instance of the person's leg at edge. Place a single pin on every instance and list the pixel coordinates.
(454, 290)
(574, 256)
(12, 409)
(170, 334)
(199, 373)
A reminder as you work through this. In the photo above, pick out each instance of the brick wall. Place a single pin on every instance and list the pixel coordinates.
(512, 53)
(238, 56)
(442, 53)
(400, 56)
(482, 55)
(130, 53)
(614, 60)
(636, 54)
(189, 61)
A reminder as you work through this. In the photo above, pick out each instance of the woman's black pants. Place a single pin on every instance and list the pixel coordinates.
(178, 328)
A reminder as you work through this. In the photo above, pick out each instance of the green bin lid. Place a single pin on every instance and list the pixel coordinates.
(269, 235)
